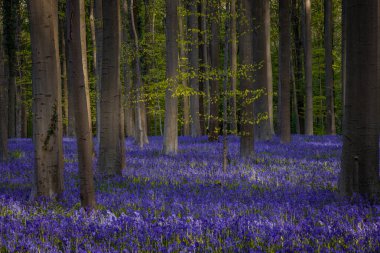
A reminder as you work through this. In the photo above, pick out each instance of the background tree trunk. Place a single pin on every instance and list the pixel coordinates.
(77, 74)
(284, 64)
(330, 115)
(98, 14)
(234, 53)
(214, 84)
(194, 69)
(47, 115)
(360, 154)
(246, 82)
(263, 73)
(3, 102)
(171, 102)
(308, 69)
(111, 147)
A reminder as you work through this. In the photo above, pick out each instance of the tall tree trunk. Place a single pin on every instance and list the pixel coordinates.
(77, 75)
(360, 154)
(214, 84)
(262, 76)
(194, 69)
(3, 102)
(308, 69)
(284, 63)
(344, 55)
(246, 84)
(93, 34)
(127, 74)
(234, 65)
(171, 102)
(183, 67)
(111, 146)
(330, 115)
(98, 14)
(47, 110)
(204, 64)
(10, 23)
(295, 99)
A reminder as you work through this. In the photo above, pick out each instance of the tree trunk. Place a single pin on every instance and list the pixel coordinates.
(344, 55)
(330, 115)
(284, 64)
(183, 66)
(171, 102)
(214, 84)
(47, 110)
(10, 25)
(194, 69)
(111, 147)
(98, 14)
(3, 103)
(233, 66)
(262, 76)
(93, 34)
(246, 84)
(204, 65)
(360, 154)
(65, 95)
(77, 75)
(308, 69)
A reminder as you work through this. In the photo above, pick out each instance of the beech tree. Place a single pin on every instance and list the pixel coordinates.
(111, 146)
(360, 154)
(77, 75)
(246, 82)
(234, 52)
(3, 104)
(263, 72)
(171, 101)
(47, 109)
(284, 85)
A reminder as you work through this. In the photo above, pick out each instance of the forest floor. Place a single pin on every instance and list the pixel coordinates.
(283, 199)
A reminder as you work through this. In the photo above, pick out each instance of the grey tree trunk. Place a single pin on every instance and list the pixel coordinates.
(284, 64)
(93, 34)
(194, 69)
(263, 74)
(214, 83)
(204, 65)
(308, 69)
(360, 154)
(330, 114)
(234, 52)
(77, 75)
(3, 103)
(344, 45)
(246, 82)
(47, 109)
(183, 66)
(98, 15)
(112, 145)
(64, 84)
(171, 102)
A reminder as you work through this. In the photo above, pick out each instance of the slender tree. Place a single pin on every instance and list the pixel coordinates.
(194, 68)
(308, 69)
(328, 39)
(3, 103)
(284, 85)
(98, 16)
(77, 75)
(246, 81)
(263, 73)
(111, 146)
(234, 65)
(360, 154)
(171, 101)
(47, 115)
(214, 84)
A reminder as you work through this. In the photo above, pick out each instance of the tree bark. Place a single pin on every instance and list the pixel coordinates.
(308, 69)
(330, 115)
(194, 69)
(171, 102)
(3, 103)
(77, 74)
(93, 34)
(284, 64)
(47, 110)
(246, 82)
(360, 154)
(263, 73)
(183, 67)
(234, 66)
(111, 147)
(98, 15)
(214, 84)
